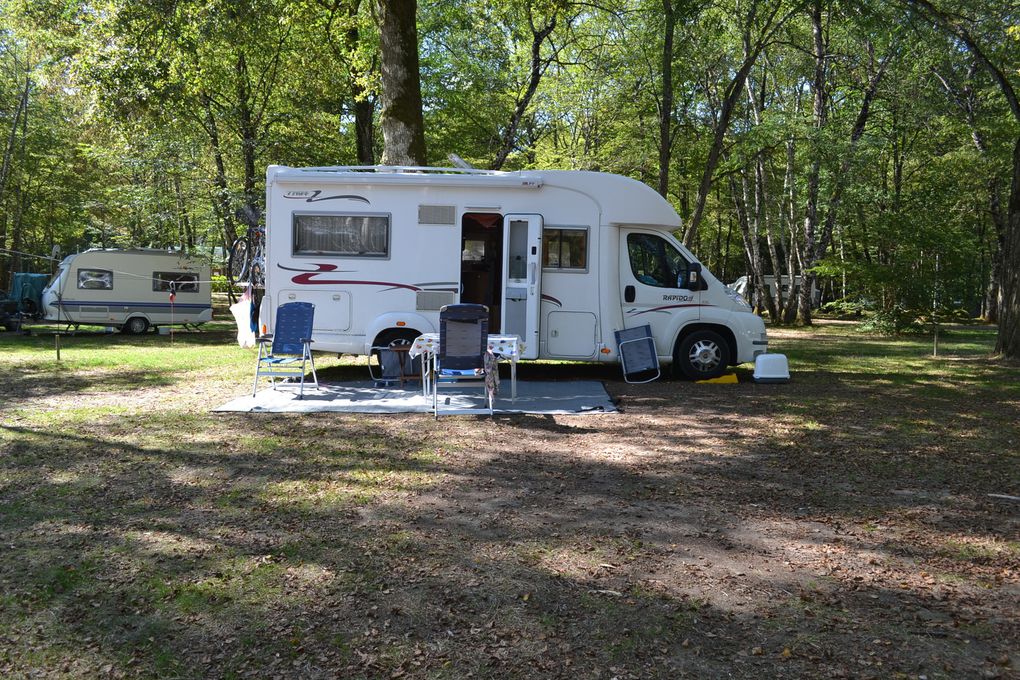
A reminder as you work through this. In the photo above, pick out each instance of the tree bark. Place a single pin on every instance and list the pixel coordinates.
(811, 208)
(403, 125)
(666, 105)
(221, 198)
(247, 130)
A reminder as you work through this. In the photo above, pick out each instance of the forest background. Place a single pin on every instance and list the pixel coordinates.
(870, 145)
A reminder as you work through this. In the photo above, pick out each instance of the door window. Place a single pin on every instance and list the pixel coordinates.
(655, 262)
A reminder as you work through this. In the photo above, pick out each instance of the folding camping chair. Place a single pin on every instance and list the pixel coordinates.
(291, 347)
(463, 345)
(390, 364)
(638, 357)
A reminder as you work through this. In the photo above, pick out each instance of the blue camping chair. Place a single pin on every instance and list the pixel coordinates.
(291, 347)
(463, 345)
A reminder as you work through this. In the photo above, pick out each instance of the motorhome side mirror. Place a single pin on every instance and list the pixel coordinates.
(694, 276)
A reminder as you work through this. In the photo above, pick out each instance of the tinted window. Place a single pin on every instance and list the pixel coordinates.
(565, 248)
(183, 283)
(655, 262)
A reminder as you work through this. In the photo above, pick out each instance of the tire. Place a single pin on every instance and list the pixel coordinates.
(701, 355)
(258, 273)
(136, 325)
(237, 265)
(402, 336)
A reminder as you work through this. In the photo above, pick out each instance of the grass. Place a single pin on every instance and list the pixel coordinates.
(707, 530)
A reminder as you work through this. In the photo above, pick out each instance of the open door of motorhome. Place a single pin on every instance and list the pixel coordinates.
(522, 283)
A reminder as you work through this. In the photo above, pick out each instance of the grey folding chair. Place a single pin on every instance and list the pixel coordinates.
(638, 357)
(463, 345)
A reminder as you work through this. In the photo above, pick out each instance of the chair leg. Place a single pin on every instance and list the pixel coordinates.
(315, 378)
(258, 369)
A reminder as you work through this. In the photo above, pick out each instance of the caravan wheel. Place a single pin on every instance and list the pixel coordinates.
(136, 325)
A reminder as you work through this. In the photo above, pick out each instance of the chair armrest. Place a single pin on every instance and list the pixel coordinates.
(262, 339)
(307, 341)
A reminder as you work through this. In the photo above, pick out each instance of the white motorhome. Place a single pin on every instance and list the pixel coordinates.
(561, 258)
(129, 290)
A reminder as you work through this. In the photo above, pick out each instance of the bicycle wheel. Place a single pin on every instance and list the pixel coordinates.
(258, 272)
(237, 266)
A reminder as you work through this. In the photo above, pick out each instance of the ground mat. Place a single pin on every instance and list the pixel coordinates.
(539, 397)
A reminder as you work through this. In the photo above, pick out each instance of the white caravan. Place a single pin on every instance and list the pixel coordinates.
(129, 289)
(561, 258)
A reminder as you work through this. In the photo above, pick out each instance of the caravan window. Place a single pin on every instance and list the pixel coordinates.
(346, 235)
(183, 283)
(565, 248)
(95, 279)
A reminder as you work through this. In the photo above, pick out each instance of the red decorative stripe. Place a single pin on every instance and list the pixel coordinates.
(659, 309)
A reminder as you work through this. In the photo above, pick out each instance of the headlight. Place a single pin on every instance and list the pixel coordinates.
(737, 298)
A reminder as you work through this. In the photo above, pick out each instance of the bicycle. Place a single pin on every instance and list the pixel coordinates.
(247, 262)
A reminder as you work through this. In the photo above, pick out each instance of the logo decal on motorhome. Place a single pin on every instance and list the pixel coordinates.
(315, 196)
(311, 278)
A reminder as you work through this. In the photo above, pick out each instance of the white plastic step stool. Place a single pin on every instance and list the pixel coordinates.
(771, 368)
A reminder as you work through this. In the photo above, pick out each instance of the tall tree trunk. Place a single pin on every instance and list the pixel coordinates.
(819, 113)
(364, 108)
(222, 193)
(666, 104)
(247, 130)
(403, 125)
(12, 136)
(761, 216)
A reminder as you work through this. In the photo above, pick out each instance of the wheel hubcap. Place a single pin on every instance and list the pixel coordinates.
(705, 355)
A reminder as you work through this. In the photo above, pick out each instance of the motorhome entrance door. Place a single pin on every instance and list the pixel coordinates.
(522, 284)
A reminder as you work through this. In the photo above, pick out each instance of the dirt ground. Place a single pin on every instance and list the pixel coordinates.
(850, 524)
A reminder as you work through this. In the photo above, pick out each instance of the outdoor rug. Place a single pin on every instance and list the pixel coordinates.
(538, 397)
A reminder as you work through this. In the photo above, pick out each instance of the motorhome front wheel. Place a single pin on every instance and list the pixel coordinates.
(702, 355)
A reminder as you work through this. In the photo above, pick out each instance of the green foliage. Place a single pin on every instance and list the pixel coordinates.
(151, 123)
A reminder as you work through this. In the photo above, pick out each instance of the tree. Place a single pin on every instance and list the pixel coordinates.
(403, 126)
(1008, 343)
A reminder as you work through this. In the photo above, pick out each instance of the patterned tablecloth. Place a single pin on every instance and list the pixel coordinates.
(504, 346)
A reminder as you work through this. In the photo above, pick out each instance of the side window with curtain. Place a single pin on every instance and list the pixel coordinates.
(344, 235)
(655, 262)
